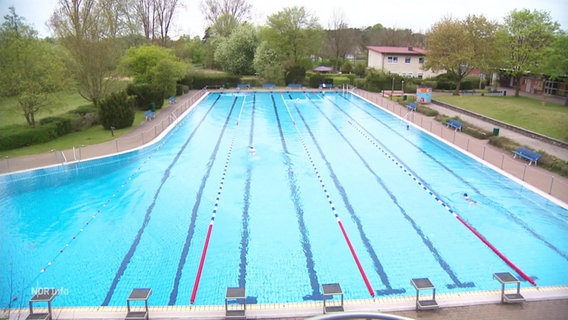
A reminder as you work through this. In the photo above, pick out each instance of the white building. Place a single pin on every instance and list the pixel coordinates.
(404, 61)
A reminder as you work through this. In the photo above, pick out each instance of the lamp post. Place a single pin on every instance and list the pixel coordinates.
(392, 88)
(402, 87)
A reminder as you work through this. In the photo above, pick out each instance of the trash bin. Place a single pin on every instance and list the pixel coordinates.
(404, 97)
(495, 132)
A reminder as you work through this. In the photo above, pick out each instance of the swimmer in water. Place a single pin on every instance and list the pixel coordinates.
(252, 151)
(468, 199)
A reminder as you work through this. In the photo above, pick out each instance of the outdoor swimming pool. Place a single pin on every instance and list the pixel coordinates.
(97, 229)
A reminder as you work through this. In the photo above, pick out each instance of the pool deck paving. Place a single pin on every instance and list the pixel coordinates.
(546, 303)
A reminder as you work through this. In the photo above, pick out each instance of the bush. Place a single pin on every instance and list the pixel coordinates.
(181, 89)
(295, 74)
(145, 96)
(17, 136)
(359, 83)
(200, 80)
(117, 110)
(254, 81)
(61, 124)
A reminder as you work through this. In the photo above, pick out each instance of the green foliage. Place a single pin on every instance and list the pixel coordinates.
(295, 74)
(117, 110)
(17, 136)
(294, 34)
(347, 67)
(142, 63)
(459, 46)
(526, 38)
(200, 80)
(235, 54)
(267, 63)
(62, 124)
(360, 69)
(315, 79)
(556, 64)
(31, 70)
(145, 95)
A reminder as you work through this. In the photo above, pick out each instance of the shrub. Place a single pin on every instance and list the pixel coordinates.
(359, 83)
(62, 124)
(181, 89)
(17, 136)
(117, 110)
(200, 80)
(145, 96)
(295, 74)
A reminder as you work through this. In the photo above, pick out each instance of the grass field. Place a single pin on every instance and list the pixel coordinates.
(10, 111)
(550, 119)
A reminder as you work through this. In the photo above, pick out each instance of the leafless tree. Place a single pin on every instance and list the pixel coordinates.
(165, 10)
(214, 9)
(341, 40)
(155, 17)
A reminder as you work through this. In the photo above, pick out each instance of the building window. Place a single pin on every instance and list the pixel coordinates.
(407, 60)
(420, 75)
(392, 59)
(421, 60)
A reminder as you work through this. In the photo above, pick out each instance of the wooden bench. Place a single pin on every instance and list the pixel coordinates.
(411, 106)
(527, 154)
(455, 124)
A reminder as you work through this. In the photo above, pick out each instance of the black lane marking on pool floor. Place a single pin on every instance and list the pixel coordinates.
(441, 261)
(512, 216)
(195, 209)
(242, 280)
(130, 253)
(368, 246)
(298, 205)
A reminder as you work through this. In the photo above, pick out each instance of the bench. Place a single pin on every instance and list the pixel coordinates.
(325, 85)
(468, 92)
(243, 86)
(294, 85)
(527, 154)
(268, 85)
(411, 106)
(149, 115)
(454, 124)
(497, 93)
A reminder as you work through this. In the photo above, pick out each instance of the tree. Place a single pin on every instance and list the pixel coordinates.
(214, 9)
(268, 63)
(224, 26)
(155, 17)
(459, 46)
(154, 65)
(87, 33)
(30, 69)
(117, 111)
(235, 54)
(527, 37)
(294, 33)
(556, 65)
(340, 39)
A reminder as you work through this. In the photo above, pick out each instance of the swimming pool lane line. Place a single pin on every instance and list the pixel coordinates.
(215, 206)
(195, 208)
(136, 241)
(511, 216)
(94, 216)
(357, 221)
(328, 197)
(440, 201)
(437, 256)
(299, 207)
(246, 206)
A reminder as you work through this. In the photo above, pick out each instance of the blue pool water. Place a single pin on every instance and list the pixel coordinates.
(99, 228)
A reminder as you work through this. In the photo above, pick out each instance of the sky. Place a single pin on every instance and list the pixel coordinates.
(408, 14)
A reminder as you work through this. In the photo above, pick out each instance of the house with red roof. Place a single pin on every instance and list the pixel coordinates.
(404, 61)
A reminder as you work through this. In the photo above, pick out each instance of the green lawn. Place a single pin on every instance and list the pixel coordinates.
(550, 120)
(10, 111)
